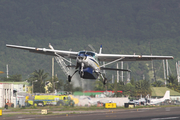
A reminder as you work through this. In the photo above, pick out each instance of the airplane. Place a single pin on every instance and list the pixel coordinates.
(141, 101)
(157, 101)
(87, 62)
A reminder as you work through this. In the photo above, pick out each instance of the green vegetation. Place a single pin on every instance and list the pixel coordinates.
(122, 27)
(132, 89)
(160, 91)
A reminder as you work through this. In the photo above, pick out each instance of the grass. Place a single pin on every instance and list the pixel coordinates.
(160, 91)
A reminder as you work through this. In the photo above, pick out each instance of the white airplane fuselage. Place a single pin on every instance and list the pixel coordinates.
(88, 65)
(157, 101)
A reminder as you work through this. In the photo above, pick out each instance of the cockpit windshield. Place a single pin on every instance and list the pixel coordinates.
(86, 53)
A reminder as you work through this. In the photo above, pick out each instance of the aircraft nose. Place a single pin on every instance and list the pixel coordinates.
(82, 57)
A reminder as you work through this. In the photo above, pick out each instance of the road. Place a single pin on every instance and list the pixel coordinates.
(168, 113)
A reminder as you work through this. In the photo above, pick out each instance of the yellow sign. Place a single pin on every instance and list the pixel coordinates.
(1, 72)
(44, 111)
(0, 112)
(131, 106)
(110, 105)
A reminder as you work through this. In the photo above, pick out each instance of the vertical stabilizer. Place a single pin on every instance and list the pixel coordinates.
(100, 50)
(167, 95)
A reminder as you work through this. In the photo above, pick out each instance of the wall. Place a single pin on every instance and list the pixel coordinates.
(6, 94)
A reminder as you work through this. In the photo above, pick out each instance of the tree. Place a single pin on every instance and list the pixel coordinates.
(57, 84)
(132, 81)
(78, 89)
(68, 87)
(173, 83)
(13, 78)
(99, 85)
(142, 88)
(129, 90)
(40, 84)
(172, 80)
(157, 84)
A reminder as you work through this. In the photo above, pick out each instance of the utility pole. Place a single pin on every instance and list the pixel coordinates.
(128, 74)
(167, 69)
(122, 71)
(117, 73)
(52, 67)
(112, 78)
(164, 72)
(177, 69)
(7, 71)
(53, 72)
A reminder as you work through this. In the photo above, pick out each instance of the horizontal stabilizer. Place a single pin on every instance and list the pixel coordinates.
(103, 68)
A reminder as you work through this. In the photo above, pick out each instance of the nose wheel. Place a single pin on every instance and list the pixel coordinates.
(69, 78)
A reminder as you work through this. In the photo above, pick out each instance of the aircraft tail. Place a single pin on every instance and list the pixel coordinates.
(167, 95)
(100, 50)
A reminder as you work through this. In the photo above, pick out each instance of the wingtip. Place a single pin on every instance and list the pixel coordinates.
(7, 45)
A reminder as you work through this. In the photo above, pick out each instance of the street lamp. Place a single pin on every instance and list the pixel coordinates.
(32, 85)
(54, 85)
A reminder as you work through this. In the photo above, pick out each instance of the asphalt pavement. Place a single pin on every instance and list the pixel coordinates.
(161, 113)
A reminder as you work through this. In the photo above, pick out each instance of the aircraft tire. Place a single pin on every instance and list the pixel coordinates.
(69, 78)
(105, 81)
(60, 103)
(81, 74)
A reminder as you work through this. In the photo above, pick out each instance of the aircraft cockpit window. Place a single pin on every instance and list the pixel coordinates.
(82, 53)
(90, 54)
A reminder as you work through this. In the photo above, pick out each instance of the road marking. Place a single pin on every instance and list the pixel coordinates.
(167, 118)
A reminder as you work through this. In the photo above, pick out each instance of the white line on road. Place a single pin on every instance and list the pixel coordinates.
(166, 118)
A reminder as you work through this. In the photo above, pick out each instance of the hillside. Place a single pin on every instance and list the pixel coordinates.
(123, 27)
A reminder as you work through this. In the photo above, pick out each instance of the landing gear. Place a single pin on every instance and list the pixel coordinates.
(69, 77)
(81, 74)
(104, 79)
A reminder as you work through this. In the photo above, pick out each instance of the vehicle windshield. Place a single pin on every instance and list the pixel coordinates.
(84, 53)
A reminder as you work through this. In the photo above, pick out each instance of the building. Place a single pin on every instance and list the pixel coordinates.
(12, 92)
(7, 94)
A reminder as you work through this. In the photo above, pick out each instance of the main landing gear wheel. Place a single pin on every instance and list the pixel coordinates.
(105, 81)
(69, 78)
(81, 74)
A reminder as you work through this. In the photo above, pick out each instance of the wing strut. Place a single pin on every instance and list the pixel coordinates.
(60, 61)
(112, 62)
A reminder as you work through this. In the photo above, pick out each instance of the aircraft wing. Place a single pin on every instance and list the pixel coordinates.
(69, 54)
(112, 57)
